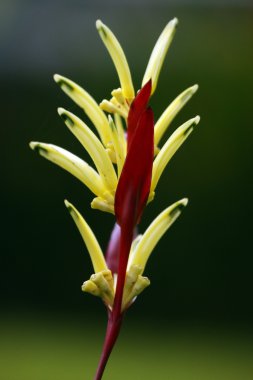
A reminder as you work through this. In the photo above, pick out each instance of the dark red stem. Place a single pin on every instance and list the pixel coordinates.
(116, 316)
(112, 333)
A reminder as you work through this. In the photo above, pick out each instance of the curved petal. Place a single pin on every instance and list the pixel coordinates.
(88, 104)
(89, 239)
(119, 59)
(93, 146)
(73, 164)
(154, 233)
(158, 54)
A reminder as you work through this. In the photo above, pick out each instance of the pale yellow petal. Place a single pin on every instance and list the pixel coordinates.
(73, 164)
(118, 148)
(119, 59)
(93, 146)
(89, 239)
(170, 148)
(90, 287)
(171, 111)
(121, 131)
(99, 203)
(88, 104)
(158, 54)
(154, 233)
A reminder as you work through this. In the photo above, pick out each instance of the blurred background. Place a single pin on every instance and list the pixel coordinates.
(196, 320)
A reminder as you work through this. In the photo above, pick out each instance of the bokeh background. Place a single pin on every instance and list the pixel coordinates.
(195, 321)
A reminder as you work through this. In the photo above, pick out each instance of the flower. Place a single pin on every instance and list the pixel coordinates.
(110, 146)
(128, 165)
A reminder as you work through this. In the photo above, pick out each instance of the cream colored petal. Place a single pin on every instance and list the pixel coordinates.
(89, 239)
(73, 164)
(118, 148)
(108, 106)
(117, 94)
(154, 233)
(88, 104)
(121, 131)
(90, 287)
(99, 203)
(93, 146)
(140, 284)
(158, 54)
(171, 111)
(170, 148)
(119, 59)
(106, 291)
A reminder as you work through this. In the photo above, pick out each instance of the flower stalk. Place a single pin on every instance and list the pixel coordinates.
(128, 164)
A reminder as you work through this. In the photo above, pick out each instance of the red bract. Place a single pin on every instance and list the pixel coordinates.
(134, 183)
(130, 199)
(138, 106)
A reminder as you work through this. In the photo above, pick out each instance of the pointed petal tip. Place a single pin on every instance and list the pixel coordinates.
(196, 119)
(33, 145)
(70, 207)
(38, 147)
(60, 111)
(57, 77)
(175, 210)
(173, 22)
(99, 24)
(194, 88)
(184, 202)
(67, 204)
(66, 84)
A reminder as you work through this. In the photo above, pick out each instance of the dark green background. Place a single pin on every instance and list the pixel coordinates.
(201, 272)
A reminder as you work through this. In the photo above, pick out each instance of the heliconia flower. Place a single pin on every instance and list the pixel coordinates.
(110, 146)
(128, 163)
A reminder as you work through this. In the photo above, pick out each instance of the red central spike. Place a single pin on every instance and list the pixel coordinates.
(137, 107)
(137, 170)
(130, 199)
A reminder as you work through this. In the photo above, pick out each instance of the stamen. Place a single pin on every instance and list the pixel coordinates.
(117, 94)
(110, 107)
